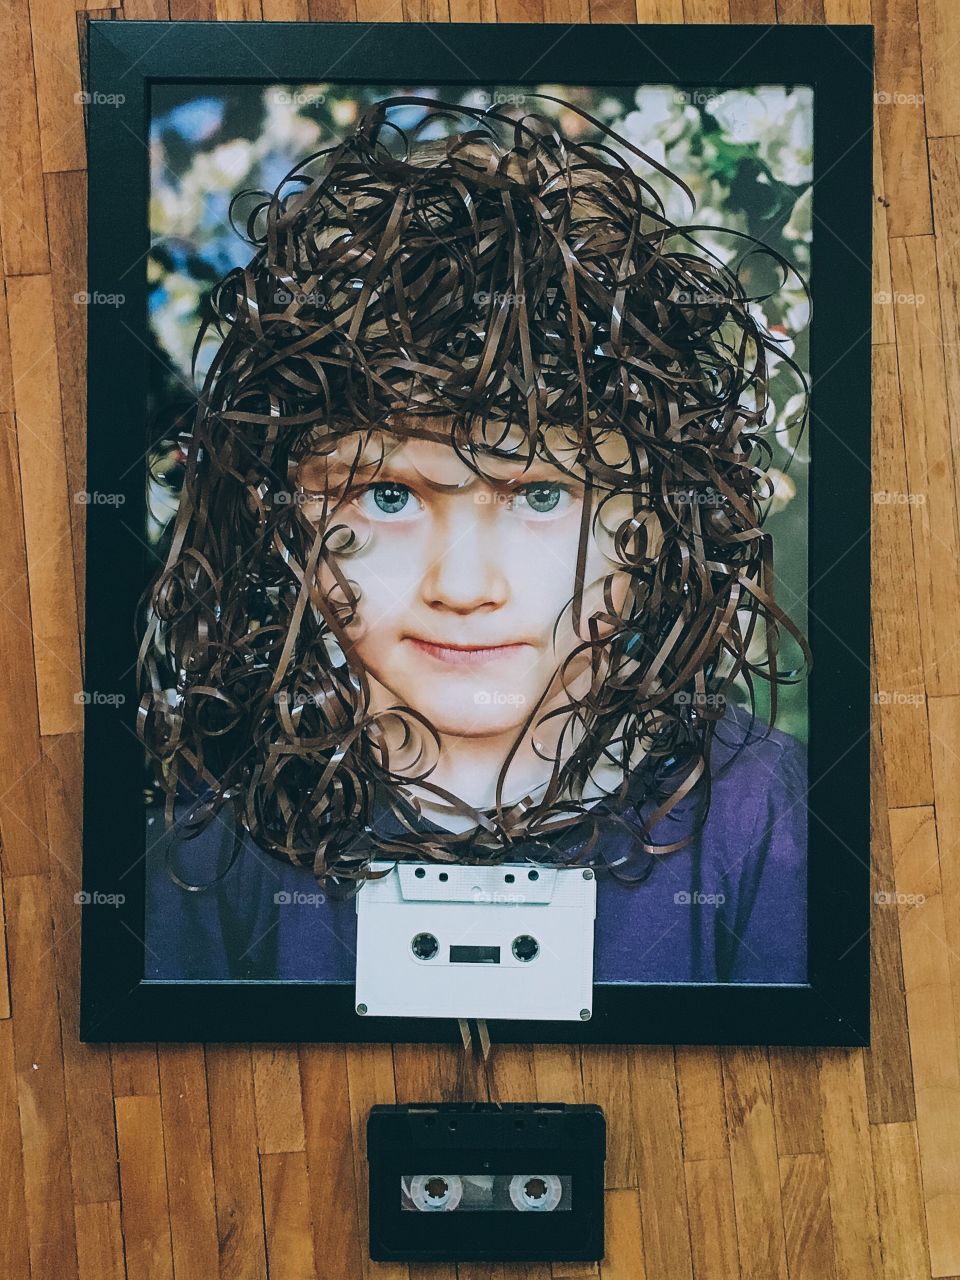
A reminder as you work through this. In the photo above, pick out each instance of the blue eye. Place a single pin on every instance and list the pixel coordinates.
(542, 497)
(388, 499)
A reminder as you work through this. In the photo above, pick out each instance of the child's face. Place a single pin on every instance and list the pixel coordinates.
(461, 581)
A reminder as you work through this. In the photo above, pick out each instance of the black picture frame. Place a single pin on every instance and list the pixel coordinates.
(125, 59)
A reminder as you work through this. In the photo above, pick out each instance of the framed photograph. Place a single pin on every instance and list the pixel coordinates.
(478, 533)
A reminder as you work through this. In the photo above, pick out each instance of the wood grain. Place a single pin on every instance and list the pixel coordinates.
(228, 1163)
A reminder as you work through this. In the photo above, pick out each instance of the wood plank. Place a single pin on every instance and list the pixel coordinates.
(795, 1089)
(100, 1241)
(753, 11)
(60, 108)
(416, 1071)
(713, 1219)
(510, 1074)
(882, 313)
(236, 1169)
(556, 1068)
(286, 11)
(931, 473)
(896, 621)
(370, 1080)
(6, 368)
(887, 1070)
(67, 224)
(23, 225)
(22, 819)
(190, 1187)
(53, 610)
(135, 1071)
(145, 1210)
(702, 1115)
(286, 1212)
(807, 1225)
(800, 11)
(239, 11)
(606, 1081)
(14, 1248)
(623, 1232)
(844, 11)
(945, 189)
(146, 10)
(276, 1080)
(900, 115)
(5, 1006)
(753, 1161)
(87, 1076)
(903, 1228)
(706, 10)
(945, 744)
(853, 1206)
(40, 1085)
(337, 1227)
(660, 1173)
(933, 1029)
(940, 37)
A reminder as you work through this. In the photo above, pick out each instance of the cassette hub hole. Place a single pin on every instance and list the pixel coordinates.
(424, 946)
(535, 1188)
(526, 948)
(437, 1188)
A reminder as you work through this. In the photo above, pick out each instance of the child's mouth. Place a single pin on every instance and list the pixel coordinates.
(465, 655)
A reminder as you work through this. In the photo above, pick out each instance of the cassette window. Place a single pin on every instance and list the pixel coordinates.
(486, 1193)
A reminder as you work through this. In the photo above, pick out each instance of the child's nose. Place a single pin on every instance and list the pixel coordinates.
(465, 570)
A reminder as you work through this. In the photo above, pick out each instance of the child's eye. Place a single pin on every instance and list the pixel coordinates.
(387, 499)
(541, 497)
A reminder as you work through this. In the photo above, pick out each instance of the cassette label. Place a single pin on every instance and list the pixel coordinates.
(453, 941)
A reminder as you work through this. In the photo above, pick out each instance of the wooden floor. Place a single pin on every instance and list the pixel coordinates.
(237, 1162)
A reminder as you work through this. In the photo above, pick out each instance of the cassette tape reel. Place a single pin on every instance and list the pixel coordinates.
(453, 941)
(447, 1182)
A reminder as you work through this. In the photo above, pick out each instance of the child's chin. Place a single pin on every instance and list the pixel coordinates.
(473, 721)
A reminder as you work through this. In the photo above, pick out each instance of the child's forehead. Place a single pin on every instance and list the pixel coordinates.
(506, 454)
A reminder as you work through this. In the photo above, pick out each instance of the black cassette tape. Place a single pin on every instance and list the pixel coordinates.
(485, 1182)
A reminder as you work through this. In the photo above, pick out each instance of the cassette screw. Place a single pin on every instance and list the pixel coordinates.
(361, 1008)
(588, 875)
(585, 1015)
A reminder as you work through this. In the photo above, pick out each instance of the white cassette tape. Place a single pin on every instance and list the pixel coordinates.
(452, 941)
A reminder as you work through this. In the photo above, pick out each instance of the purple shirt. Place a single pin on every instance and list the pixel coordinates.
(730, 907)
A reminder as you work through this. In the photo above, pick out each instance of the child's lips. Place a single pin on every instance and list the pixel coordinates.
(456, 655)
